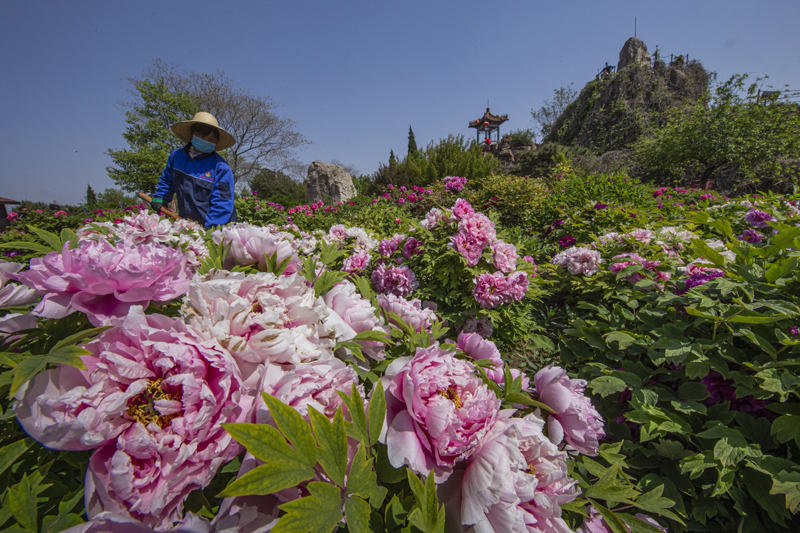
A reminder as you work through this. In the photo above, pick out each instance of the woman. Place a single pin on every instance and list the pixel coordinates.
(199, 177)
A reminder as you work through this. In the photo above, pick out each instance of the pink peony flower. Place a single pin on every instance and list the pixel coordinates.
(482, 326)
(490, 289)
(106, 522)
(596, 524)
(516, 286)
(462, 209)
(397, 280)
(644, 236)
(575, 418)
(357, 316)
(504, 256)
(11, 323)
(356, 262)
(260, 318)
(477, 348)
(337, 233)
(387, 247)
(437, 411)
(479, 227)
(410, 311)
(412, 248)
(105, 281)
(60, 214)
(11, 294)
(758, 218)
(307, 385)
(579, 260)
(432, 218)
(468, 246)
(151, 402)
(250, 244)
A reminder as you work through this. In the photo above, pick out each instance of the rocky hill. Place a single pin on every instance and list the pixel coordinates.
(615, 109)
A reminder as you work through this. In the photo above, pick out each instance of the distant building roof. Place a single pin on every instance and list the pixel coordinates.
(7, 201)
(493, 121)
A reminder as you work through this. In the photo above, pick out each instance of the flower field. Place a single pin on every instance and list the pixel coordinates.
(582, 354)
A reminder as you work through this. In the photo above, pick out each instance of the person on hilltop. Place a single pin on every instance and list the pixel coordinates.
(200, 178)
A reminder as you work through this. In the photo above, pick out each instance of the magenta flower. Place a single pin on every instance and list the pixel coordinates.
(412, 248)
(437, 411)
(751, 236)
(567, 240)
(104, 281)
(397, 280)
(410, 311)
(151, 403)
(389, 246)
(462, 209)
(479, 227)
(482, 326)
(600, 206)
(356, 316)
(490, 289)
(454, 183)
(504, 256)
(470, 247)
(575, 419)
(478, 348)
(356, 262)
(758, 218)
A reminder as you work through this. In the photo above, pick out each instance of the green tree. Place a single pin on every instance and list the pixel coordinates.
(412, 142)
(726, 128)
(275, 186)
(91, 197)
(545, 116)
(148, 135)
(392, 158)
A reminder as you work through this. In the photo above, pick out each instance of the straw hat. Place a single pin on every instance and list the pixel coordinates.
(183, 130)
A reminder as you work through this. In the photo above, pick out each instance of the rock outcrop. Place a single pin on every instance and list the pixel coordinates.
(329, 183)
(634, 51)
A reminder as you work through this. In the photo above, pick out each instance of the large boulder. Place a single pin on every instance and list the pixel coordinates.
(329, 183)
(633, 51)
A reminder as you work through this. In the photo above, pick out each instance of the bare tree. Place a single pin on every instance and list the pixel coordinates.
(546, 115)
(263, 139)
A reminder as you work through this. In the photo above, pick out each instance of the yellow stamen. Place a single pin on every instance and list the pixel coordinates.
(451, 394)
(142, 407)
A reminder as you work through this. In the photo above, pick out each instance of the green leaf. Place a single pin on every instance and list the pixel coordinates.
(759, 485)
(326, 281)
(612, 520)
(654, 502)
(318, 513)
(731, 447)
(357, 513)
(264, 442)
(377, 413)
(624, 339)
(375, 336)
(637, 525)
(68, 355)
(356, 409)
(386, 472)
(25, 370)
(786, 428)
(12, 452)
(606, 385)
(704, 250)
(294, 428)
(362, 480)
(268, 478)
(69, 236)
(692, 390)
(22, 503)
(51, 239)
(332, 440)
(428, 516)
(788, 484)
(696, 464)
(782, 269)
(77, 337)
(724, 480)
(34, 246)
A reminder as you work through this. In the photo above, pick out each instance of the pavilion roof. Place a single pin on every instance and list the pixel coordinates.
(7, 201)
(493, 120)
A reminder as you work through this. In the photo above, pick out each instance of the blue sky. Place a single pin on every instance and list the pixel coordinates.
(353, 74)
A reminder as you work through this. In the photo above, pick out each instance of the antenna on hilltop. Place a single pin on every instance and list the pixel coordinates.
(634, 26)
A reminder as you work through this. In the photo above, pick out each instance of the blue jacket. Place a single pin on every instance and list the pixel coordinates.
(204, 187)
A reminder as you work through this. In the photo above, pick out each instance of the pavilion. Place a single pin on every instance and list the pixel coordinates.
(489, 124)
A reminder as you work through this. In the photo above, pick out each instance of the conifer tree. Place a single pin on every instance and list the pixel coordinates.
(412, 143)
(392, 158)
(91, 197)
